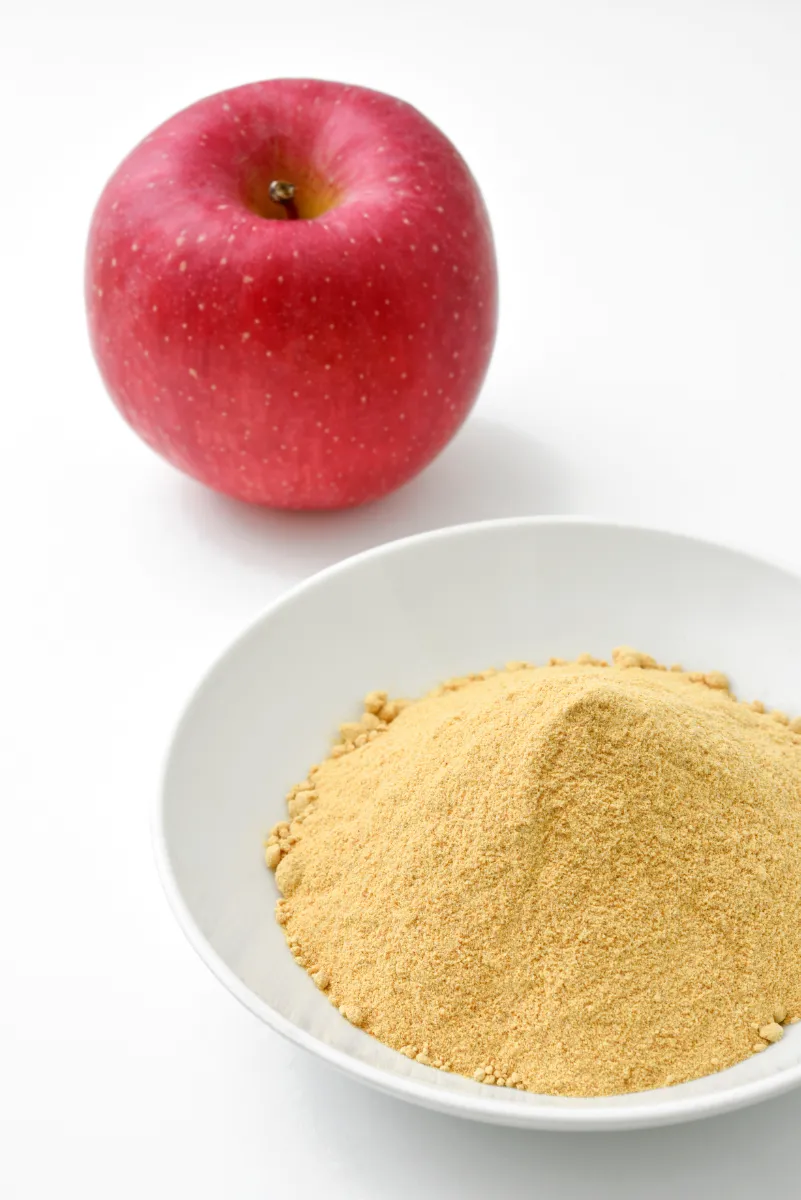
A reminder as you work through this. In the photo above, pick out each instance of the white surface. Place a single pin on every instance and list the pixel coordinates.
(645, 183)
(455, 600)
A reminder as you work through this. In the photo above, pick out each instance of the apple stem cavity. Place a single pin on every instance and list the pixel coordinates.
(283, 193)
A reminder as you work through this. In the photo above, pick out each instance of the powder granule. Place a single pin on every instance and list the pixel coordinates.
(580, 879)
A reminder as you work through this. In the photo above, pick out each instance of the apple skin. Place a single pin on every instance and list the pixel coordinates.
(311, 363)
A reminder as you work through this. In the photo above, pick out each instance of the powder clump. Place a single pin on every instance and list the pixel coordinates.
(578, 879)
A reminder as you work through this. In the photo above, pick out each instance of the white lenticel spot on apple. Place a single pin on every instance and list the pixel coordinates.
(135, 246)
(280, 279)
(182, 265)
(245, 336)
(313, 299)
(201, 237)
(179, 241)
(247, 278)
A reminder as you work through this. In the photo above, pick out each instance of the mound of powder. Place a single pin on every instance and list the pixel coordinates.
(578, 879)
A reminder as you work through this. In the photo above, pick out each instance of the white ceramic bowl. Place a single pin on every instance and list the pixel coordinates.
(402, 617)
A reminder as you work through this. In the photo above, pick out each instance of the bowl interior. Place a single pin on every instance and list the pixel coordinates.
(401, 618)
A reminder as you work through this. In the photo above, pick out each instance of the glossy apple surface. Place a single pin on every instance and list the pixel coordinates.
(314, 362)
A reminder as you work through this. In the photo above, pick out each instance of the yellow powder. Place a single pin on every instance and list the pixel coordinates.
(579, 879)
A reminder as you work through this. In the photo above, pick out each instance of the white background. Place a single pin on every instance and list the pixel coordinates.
(641, 164)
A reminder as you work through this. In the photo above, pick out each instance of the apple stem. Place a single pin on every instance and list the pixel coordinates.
(283, 193)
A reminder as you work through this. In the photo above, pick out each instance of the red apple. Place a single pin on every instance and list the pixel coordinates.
(315, 350)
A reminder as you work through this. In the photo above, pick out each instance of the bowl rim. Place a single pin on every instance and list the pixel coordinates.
(593, 1113)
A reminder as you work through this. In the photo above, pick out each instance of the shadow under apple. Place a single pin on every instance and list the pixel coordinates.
(489, 470)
